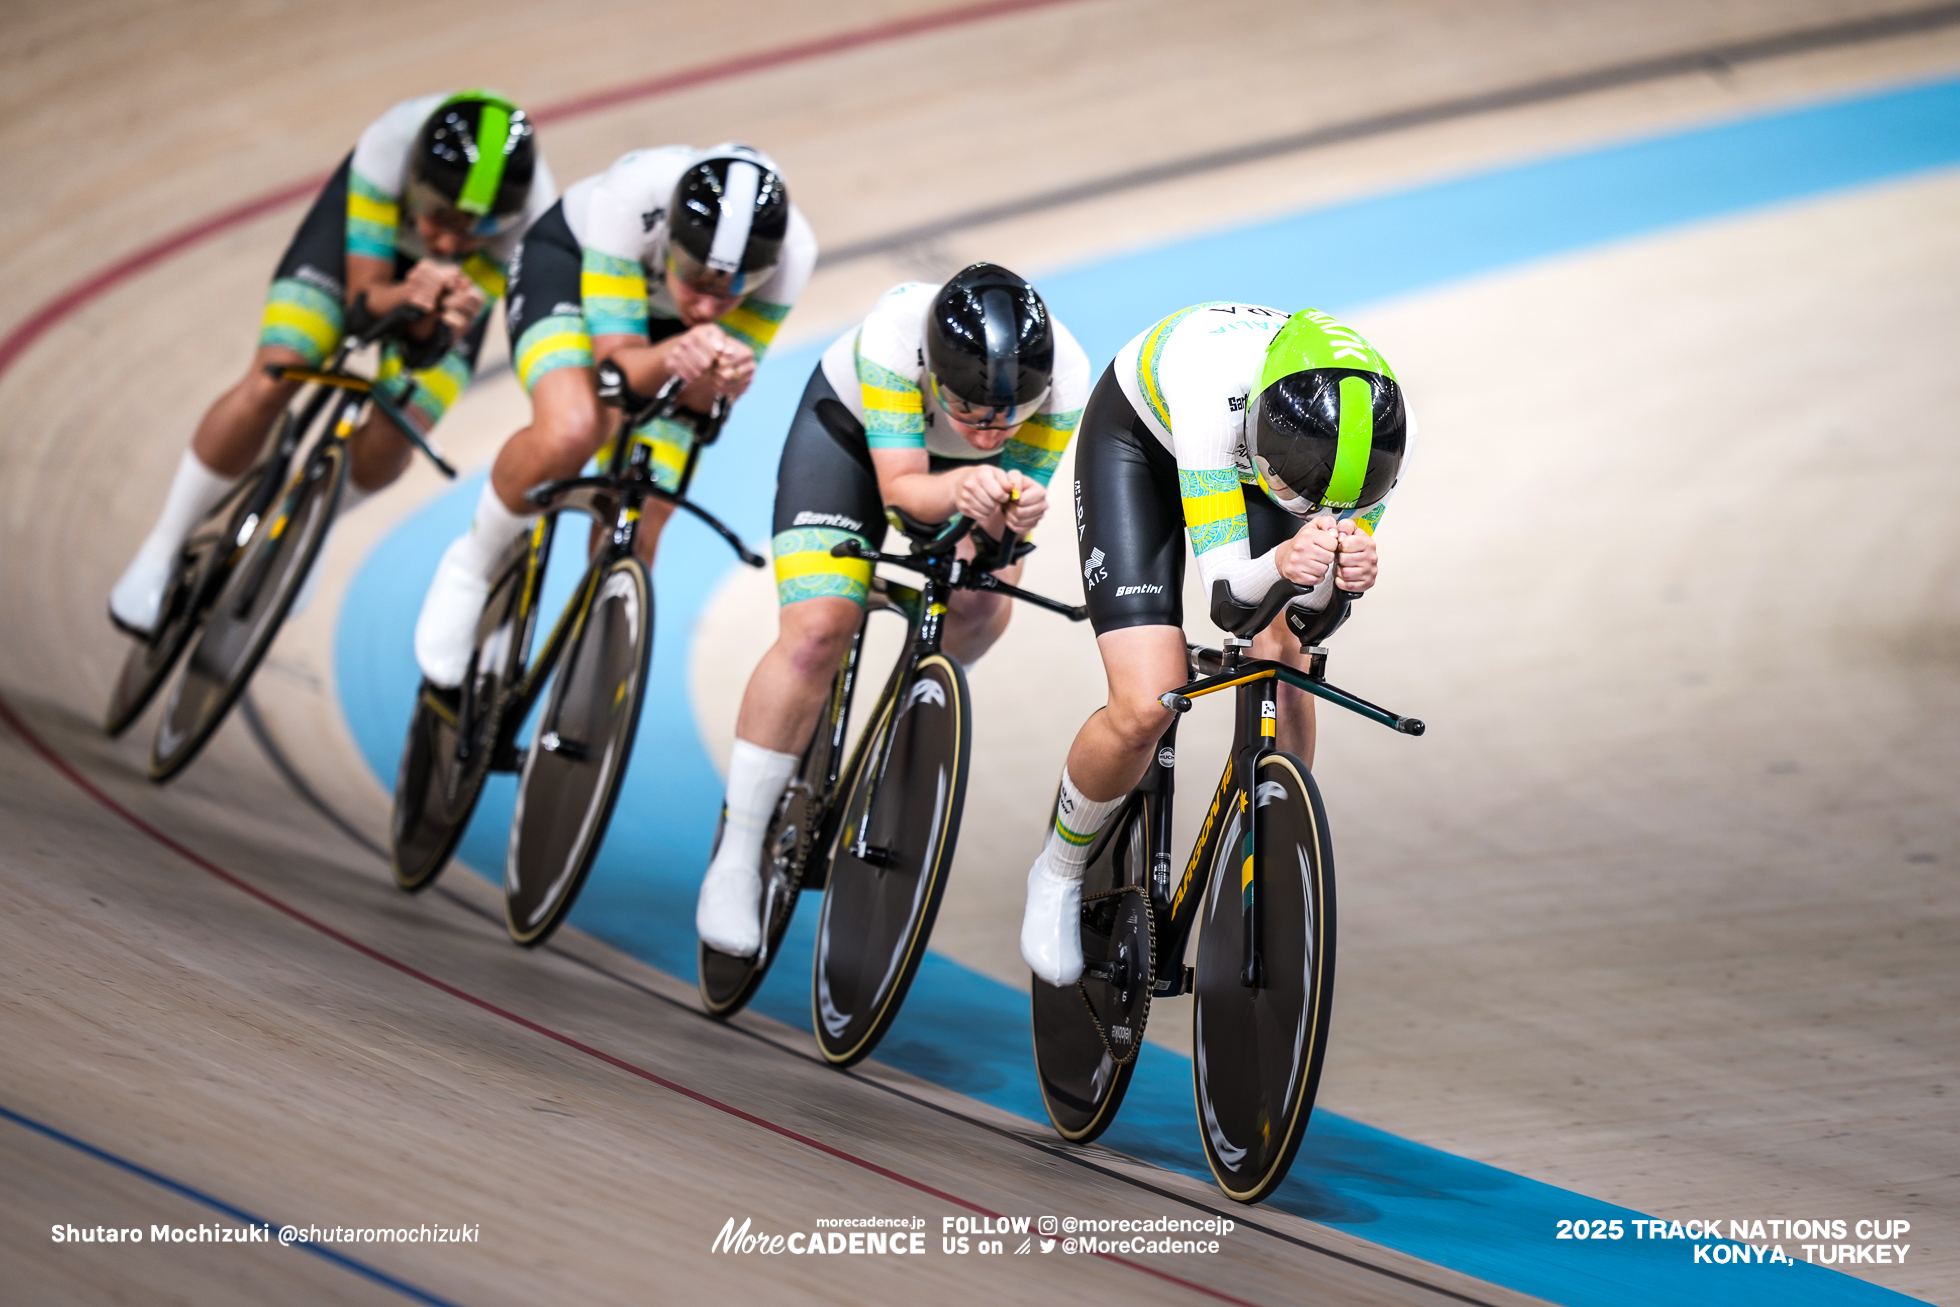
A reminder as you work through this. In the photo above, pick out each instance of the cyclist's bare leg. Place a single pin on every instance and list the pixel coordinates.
(377, 454)
(653, 520)
(234, 428)
(787, 693)
(567, 428)
(975, 619)
(1115, 745)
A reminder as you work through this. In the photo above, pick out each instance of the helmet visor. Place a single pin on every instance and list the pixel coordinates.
(711, 281)
(425, 201)
(986, 417)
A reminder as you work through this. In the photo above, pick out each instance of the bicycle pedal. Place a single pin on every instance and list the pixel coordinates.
(1182, 981)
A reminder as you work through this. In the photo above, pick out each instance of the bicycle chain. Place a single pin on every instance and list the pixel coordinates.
(1143, 1018)
(799, 794)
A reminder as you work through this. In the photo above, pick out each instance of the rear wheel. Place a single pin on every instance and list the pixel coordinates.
(1087, 1035)
(1258, 1050)
(729, 982)
(454, 735)
(878, 913)
(249, 608)
(578, 757)
(199, 569)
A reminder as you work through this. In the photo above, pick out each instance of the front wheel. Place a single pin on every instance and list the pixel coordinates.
(578, 756)
(245, 615)
(1257, 1050)
(878, 908)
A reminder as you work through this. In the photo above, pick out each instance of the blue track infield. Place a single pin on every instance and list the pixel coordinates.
(970, 1033)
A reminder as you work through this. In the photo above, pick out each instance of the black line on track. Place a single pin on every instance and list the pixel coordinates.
(269, 746)
(1714, 59)
(248, 708)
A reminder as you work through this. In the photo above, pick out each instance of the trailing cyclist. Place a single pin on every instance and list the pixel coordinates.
(953, 399)
(674, 262)
(1273, 441)
(427, 211)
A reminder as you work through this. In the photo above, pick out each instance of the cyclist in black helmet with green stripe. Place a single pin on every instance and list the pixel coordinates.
(427, 210)
(1273, 442)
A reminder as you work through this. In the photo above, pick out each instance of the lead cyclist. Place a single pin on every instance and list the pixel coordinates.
(946, 399)
(1273, 441)
(427, 211)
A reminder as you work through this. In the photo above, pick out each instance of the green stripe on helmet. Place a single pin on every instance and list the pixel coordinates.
(479, 192)
(1311, 340)
(1357, 441)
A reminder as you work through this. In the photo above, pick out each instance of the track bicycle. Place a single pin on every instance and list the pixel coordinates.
(876, 835)
(590, 673)
(241, 568)
(1261, 877)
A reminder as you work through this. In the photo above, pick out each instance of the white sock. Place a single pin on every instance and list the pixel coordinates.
(194, 491)
(1077, 820)
(490, 533)
(756, 780)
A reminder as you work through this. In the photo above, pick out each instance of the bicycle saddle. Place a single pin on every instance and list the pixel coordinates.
(928, 537)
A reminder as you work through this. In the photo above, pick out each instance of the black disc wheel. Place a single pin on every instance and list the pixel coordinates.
(454, 735)
(879, 906)
(1087, 1035)
(729, 982)
(579, 754)
(1257, 1050)
(265, 575)
(199, 571)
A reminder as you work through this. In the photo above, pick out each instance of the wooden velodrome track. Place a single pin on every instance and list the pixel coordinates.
(1672, 924)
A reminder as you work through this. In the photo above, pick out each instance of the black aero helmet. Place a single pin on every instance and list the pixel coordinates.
(475, 155)
(1328, 428)
(728, 219)
(990, 346)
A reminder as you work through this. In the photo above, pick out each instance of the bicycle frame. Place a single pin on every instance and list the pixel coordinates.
(351, 395)
(616, 498)
(944, 573)
(1255, 685)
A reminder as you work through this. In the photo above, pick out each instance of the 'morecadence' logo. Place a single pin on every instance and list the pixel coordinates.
(906, 1240)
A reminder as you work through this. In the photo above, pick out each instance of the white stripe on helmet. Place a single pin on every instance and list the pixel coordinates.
(737, 216)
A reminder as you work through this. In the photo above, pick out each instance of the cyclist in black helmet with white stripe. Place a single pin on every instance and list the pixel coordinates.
(954, 398)
(674, 262)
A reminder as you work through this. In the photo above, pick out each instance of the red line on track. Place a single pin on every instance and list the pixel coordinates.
(78, 296)
(198, 860)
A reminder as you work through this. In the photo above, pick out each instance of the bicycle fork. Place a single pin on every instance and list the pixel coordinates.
(924, 643)
(1258, 728)
(248, 593)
